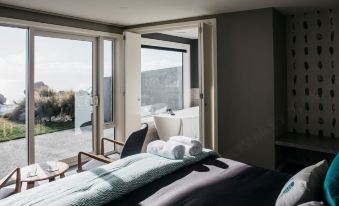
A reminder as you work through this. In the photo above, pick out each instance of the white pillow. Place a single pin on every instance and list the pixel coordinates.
(304, 187)
(313, 203)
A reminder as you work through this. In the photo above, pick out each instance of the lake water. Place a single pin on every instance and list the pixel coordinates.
(4, 109)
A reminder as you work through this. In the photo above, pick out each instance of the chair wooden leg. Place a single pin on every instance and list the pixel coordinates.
(18, 183)
(102, 148)
(18, 187)
(79, 163)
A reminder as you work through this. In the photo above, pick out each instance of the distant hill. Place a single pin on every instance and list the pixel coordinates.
(4, 109)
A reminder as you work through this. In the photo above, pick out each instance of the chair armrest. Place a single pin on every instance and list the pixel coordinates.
(102, 152)
(93, 156)
(4, 180)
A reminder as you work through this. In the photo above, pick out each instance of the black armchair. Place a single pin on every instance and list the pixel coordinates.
(133, 145)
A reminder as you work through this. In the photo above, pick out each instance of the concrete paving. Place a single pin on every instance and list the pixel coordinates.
(49, 147)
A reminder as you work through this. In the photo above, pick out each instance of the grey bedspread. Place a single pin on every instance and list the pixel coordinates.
(215, 181)
(103, 184)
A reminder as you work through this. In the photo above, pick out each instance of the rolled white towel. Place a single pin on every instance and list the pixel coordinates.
(192, 146)
(155, 146)
(173, 150)
(169, 150)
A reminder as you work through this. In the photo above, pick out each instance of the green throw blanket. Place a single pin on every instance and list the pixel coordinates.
(103, 184)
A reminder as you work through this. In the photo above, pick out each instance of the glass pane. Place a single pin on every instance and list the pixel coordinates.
(161, 81)
(13, 54)
(108, 81)
(109, 133)
(108, 93)
(63, 89)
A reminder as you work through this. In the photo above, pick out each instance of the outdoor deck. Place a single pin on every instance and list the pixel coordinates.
(51, 146)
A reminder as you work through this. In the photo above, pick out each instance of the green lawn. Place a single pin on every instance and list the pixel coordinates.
(10, 130)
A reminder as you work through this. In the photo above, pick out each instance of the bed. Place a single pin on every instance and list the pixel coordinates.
(214, 181)
(147, 179)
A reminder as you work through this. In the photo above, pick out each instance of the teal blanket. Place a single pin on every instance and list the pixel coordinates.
(103, 184)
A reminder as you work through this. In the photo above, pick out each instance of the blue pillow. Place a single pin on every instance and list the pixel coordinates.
(331, 184)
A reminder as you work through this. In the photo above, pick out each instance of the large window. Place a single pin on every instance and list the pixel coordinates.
(13, 144)
(50, 92)
(161, 80)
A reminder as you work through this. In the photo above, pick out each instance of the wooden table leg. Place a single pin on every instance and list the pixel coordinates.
(30, 185)
(62, 175)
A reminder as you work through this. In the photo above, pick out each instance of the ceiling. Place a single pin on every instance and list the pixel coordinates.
(190, 33)
(132, 12)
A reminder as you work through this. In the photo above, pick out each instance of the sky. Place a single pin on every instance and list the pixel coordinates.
(12, 63)
(62, 64)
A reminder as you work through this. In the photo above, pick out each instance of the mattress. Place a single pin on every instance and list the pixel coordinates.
(214, 181)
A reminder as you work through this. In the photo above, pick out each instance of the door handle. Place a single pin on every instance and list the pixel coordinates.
(94, 101)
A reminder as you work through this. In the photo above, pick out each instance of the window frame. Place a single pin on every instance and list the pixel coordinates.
(43, 28)
(31, 79)
(112, 123)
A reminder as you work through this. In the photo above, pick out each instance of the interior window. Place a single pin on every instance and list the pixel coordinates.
(161, 80)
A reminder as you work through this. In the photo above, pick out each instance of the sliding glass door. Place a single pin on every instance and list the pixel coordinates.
(49, 103)
(63, 96)
(13, 57)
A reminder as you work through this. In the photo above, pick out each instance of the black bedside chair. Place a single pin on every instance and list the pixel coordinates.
(133, 145)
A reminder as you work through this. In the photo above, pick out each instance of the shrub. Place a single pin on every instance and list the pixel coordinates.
(66, 103)
(48, 103)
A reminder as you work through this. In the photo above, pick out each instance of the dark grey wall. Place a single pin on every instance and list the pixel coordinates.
(194, 53)
(194, 64)
(246, 86)
(280, 74)
(43, 17)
